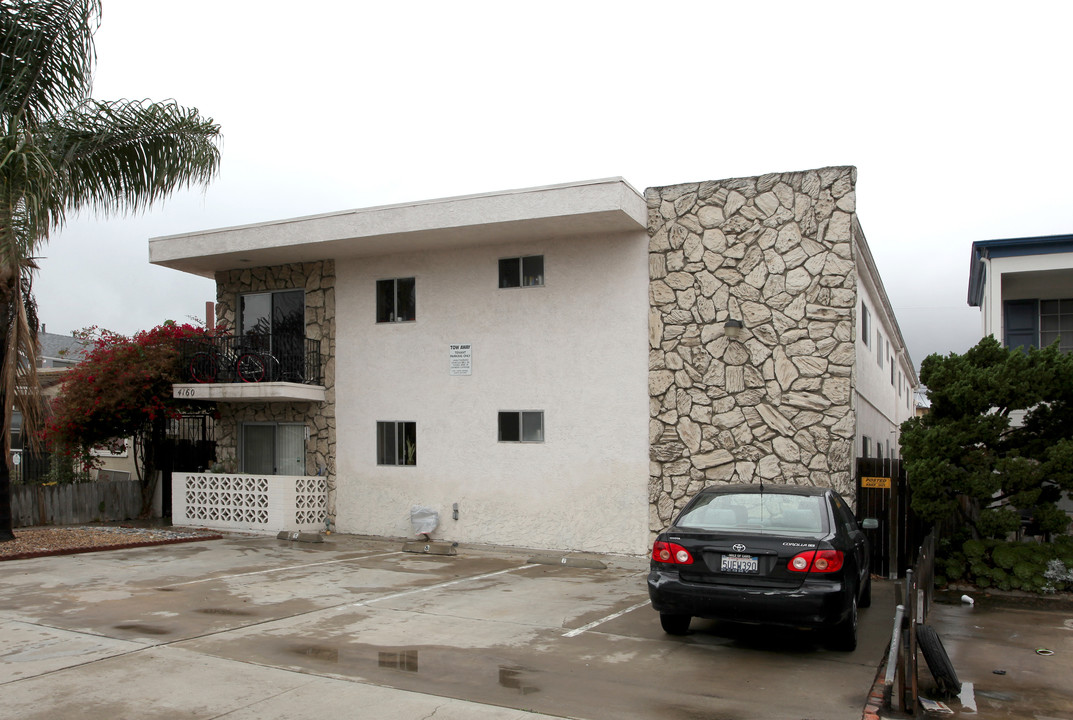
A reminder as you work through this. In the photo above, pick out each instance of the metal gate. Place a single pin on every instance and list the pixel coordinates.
(883, 493)
(189, 446)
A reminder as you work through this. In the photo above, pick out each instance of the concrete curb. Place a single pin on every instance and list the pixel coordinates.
(569, 561)
(101, 548)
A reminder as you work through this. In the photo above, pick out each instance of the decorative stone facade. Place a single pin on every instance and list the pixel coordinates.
(318, 280)
(775, 252)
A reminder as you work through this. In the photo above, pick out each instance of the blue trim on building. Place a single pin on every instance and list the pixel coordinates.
(1010, 247)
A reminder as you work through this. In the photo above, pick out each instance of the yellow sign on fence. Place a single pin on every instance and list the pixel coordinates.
(875, 482)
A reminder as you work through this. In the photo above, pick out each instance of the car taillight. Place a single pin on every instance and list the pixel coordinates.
(820, 561)
(666, 552)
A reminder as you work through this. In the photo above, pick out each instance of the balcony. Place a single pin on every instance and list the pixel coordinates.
(251, 368)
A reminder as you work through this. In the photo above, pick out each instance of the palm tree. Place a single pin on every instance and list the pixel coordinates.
(62, 151)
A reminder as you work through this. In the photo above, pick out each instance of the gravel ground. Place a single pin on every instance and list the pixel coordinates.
(36, 542)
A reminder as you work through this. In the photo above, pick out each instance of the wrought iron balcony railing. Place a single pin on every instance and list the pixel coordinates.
(251, 359)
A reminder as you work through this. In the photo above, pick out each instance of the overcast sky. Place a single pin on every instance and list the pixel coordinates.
(957, 116)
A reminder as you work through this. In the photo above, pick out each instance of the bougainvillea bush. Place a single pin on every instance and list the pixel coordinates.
(123, 388)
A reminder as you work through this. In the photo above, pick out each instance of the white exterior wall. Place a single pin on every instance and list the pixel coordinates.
(1049, 278)
(575, 348)
(880, 407)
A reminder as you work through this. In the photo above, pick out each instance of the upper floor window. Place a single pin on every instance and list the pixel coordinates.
(1056, 323)
(866, 325)
(879, 348)
(521, 426)
(396, 300)
(1038, 323)
(280, 313)
(521, 271)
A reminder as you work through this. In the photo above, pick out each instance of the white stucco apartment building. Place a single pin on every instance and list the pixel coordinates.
(556, 367)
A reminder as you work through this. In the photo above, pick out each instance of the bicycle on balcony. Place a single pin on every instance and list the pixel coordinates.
(226, 364)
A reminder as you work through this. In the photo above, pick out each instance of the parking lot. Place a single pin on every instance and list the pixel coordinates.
(255, 627)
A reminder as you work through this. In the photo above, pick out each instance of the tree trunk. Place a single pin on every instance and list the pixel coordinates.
(6, 524)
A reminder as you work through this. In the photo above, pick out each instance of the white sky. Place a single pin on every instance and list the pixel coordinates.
(957, 116)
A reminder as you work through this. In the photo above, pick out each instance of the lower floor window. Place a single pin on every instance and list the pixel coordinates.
(396, 443)
(273, 448)
(521, 426)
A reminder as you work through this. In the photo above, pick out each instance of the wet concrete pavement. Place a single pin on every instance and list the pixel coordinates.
(993, 646)
(255, 627)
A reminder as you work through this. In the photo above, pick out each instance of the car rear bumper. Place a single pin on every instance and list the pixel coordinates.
(816, 603)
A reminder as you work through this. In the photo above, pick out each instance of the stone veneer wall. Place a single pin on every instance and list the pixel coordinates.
(776, 404)
(318, 280)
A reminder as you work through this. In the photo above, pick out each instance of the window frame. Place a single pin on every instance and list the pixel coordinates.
(522, 275)
(866, 325)
(399, 436)
(277, 446)
(1065, 343)
(388, 316)
(520, 427)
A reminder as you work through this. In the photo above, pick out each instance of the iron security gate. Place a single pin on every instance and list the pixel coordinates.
(189, 446)
(883, 494)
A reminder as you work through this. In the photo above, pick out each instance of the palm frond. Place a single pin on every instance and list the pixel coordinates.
(31, 199)
(127, 154)
(46, 56)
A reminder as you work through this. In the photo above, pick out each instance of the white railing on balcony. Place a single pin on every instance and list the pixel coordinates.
(256, 503)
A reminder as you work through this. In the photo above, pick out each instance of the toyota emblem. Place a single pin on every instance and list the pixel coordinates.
(738, 547)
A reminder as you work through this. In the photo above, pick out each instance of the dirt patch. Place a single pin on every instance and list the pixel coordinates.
(39, 542)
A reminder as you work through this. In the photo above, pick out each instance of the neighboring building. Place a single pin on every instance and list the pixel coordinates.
(55, 355)
(923, 402)
(59, 351)
(556, 367)
(1024, 289)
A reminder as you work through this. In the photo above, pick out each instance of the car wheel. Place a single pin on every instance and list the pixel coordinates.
(674, 624)
(866, 594)
(938, 661)
(845, 633)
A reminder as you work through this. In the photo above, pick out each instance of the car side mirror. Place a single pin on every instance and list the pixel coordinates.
(870, 524)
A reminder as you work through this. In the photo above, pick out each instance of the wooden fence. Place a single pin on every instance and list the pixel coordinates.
(73, 503)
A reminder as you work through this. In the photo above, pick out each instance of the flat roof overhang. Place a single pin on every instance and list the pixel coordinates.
(605, 207)
(249, 392)
(983, 250)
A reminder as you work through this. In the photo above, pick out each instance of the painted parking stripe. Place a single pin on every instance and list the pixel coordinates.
(601, 621)
(440, 586)
(282, 569)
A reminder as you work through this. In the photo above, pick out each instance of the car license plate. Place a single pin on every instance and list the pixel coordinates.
(739, 564)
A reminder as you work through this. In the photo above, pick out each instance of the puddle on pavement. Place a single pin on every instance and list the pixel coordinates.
(511, 678)
(319, 652)
(143, 629)
(405, 660)
(224, 611)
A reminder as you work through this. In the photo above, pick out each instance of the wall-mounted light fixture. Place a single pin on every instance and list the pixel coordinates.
(733, 328)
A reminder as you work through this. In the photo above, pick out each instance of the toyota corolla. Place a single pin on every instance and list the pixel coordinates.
(769, 554)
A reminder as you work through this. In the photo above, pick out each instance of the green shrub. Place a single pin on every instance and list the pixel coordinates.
(1028, 566)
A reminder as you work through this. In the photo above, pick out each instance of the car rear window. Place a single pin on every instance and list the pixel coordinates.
(758, 513)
